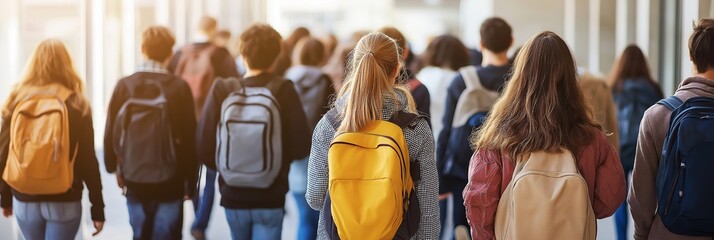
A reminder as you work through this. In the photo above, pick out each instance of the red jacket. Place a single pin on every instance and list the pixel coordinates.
(490, 172)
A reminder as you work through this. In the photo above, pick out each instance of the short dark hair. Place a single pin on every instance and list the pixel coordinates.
(395, 34)
(446, 51)
(701, 45)
(309, 51)
(496, 34)
(156, 43)
(260, 45)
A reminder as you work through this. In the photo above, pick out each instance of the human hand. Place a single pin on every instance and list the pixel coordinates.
(7, 212)
(444, 196)
(98, 226)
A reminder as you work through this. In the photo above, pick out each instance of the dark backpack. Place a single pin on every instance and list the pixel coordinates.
(684, 191)
(143, 137)
(195, 67)
(632, 102)
(412, 212)
(471, 110)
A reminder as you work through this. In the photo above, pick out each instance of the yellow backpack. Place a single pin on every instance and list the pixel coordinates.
(547, 198)
(371, 182)
(38, 161)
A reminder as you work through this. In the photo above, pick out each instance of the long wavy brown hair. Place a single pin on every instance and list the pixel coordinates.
(542, 108)
(632, 64)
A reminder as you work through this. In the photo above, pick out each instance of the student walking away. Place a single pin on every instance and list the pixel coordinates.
(285, 58)
(201, 62)
(261, 128)
(47, 149)
(443, 57)
(370, 140)
(542, 176)
(406, 76)
(671, 192)
(468, 99)
(634, 91)
(315, 90)
(149, 141)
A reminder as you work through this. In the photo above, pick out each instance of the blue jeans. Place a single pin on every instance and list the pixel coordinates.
(255, 224)
(307, 227)
(622, 213)
(456, 187)
(205, 202)
(48, 220)
(155, 220)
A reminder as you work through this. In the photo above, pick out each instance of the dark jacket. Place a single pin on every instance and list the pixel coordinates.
(183, 124)
(221, 59)
(492, 78)
(420, 93)
(86, 168)
(295, 141)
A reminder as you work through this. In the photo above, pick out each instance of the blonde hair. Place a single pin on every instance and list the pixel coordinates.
(543, 107)
(374, 61)
(50, 63)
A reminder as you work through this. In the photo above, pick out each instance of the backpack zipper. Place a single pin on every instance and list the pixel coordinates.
(671, 193)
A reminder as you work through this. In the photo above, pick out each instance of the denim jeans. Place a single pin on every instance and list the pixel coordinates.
(48, 220)
(456, 187)
(255, 224)
(155, 220)
(308, 218)
(622, 215)
(205, 202)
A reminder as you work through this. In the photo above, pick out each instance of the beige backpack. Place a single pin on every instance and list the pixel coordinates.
(546, 199)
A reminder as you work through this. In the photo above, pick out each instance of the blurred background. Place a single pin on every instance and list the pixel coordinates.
(103, 37)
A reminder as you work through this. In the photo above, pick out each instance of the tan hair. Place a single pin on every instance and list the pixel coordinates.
(157, 42)
(374, 61)
(309, 51)
(208, 25)
(50, 63)
(542, 107)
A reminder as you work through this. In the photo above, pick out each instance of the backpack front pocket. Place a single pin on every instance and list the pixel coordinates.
(247, 154)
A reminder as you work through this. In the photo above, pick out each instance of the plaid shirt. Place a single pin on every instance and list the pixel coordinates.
(152, 67)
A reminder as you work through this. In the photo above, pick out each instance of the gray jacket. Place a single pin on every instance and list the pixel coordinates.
(421, 148)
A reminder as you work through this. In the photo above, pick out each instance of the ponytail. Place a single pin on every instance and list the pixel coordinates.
(374, 60)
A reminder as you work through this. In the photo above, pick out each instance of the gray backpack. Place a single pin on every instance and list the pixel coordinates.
(143, 140)
(250, 137)
(314, 88)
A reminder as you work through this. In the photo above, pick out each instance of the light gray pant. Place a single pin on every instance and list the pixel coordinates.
(48, 220)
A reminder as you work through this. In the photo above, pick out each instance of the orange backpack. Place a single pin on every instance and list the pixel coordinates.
(39, 161)
(196, 69)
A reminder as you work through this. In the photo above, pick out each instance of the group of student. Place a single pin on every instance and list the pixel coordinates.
(522, 146)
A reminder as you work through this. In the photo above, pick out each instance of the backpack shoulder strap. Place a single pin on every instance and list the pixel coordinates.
(404, 119)
(470, 76)
(671, 102)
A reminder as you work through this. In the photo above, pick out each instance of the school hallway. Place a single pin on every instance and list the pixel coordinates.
(117, 224)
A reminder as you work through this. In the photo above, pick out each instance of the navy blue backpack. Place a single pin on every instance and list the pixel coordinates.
(685, 194)
(636, 97)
